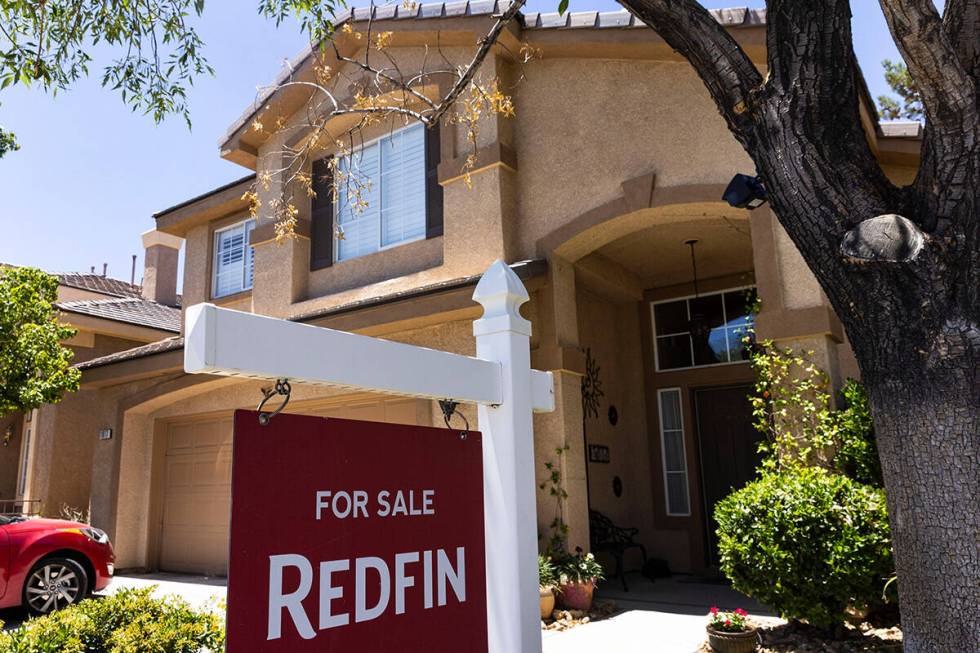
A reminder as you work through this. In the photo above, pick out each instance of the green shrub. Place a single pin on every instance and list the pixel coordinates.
(806, 542)
(855, 450)
(130, 621)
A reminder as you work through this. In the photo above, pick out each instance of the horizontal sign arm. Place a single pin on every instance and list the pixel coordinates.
(232, 343)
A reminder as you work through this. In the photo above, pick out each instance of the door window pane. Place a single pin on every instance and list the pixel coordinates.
(670, 317)
(672, 449)
(677, 497)
(674, 351)
(728, 316)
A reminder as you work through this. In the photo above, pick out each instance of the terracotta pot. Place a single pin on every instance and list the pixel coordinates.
(722, 642)
(547, 602)
(576, 596)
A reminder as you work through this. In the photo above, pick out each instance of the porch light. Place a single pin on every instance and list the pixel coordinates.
(698, 324)
(745, 192)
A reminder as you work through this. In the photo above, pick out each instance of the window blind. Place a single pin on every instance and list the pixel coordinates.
(234, 265)
(381, 200)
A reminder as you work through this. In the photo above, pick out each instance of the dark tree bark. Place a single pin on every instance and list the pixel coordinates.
(913, 321)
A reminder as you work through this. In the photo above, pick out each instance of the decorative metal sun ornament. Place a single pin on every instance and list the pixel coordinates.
(591, 386)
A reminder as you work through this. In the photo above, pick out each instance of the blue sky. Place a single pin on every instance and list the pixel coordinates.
(91, 173)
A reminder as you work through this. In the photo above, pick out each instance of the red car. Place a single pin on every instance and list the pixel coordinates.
(46, 564)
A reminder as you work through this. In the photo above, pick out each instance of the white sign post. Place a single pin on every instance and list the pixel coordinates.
(499, 380)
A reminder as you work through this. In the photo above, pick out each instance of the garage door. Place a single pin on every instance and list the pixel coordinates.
(197, 497)
(197, 485)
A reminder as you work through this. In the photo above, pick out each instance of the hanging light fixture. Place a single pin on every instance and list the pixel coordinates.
(698, 324)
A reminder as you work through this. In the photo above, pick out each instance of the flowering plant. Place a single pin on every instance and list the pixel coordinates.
(728, 622)
(577, 568)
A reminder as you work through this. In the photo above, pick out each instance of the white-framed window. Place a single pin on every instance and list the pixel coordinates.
(233, 263)
(381, 194)
(674, 453)
(727, 313)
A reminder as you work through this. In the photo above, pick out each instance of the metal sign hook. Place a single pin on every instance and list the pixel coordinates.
(282, 388)
(448, 407)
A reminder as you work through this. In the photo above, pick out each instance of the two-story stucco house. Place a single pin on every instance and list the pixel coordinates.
(615, 160)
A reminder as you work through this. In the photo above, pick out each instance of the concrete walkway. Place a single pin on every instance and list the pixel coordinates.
(667, 616)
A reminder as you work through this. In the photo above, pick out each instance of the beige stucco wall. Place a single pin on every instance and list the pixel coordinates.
(102, 345)
(64, 438)
(612, 332)
(584, 126)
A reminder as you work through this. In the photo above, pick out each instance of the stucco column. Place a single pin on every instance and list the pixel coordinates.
(160, 267)
(282, 268)
(557, 351)
(795, 312)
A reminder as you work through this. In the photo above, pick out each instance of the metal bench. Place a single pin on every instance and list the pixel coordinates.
(607, 537)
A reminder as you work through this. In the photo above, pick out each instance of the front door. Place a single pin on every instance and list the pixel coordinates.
(728, 447)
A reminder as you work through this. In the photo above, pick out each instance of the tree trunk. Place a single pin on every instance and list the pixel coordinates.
(927, 423)
(914, 322)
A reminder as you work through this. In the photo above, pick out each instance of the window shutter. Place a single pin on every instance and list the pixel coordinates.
(433, 191)
(321, 216)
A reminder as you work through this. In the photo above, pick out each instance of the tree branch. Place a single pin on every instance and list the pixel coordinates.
(485, 44)
(949, 94)
(961, 23)
(728, 73)
(813, 77)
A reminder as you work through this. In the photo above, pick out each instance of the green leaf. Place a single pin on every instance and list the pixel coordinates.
(562, 7)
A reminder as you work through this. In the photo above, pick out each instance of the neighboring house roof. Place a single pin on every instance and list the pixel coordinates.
(100, 284)
(158, 347)
(736, 17)
(131, 310)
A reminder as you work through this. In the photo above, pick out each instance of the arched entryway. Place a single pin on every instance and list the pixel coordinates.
(672, 429)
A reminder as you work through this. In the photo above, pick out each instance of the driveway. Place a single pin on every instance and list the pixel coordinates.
(202, 592)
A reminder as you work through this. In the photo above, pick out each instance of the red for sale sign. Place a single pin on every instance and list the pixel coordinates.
(355, 537)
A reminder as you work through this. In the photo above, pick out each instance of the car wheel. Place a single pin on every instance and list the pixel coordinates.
(54, 583)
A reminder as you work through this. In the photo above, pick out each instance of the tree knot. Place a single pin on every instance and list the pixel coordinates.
(885, 238)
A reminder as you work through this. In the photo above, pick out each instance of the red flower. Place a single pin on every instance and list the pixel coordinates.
(714, 610)
(740, 612)
(728, 622)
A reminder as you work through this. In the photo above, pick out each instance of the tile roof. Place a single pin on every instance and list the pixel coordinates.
(622, 19)
(158, 347)
(132, 310)
(734, 17)
(98, 283)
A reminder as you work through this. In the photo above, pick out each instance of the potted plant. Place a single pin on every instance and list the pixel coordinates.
(577, 577)
(728, 632)
(547, 581)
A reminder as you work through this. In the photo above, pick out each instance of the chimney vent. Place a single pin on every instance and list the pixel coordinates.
(105, 269)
